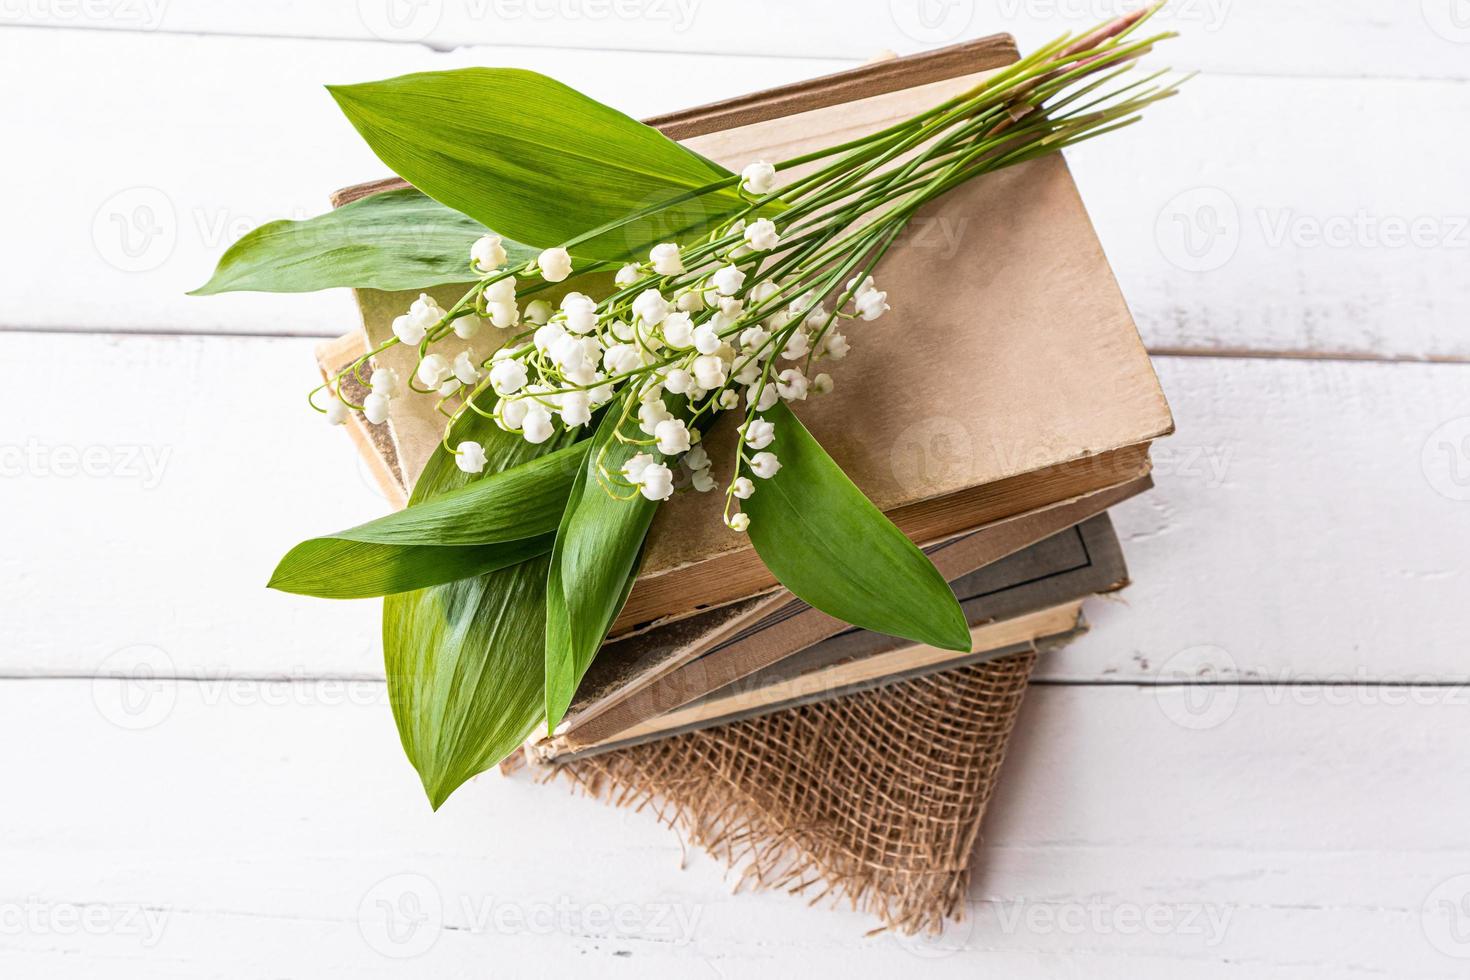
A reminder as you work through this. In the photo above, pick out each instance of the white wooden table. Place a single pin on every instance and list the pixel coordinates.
(1256, 765)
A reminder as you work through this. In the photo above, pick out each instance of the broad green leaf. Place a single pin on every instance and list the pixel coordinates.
(466, 659)
(465, 671)
(334, 568)
(834, 550)
(501, 520)
(533, 158)
(592, 566)
(398, 239)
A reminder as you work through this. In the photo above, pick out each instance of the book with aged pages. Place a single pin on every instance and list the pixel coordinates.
(1007, 380)
(1032, 598)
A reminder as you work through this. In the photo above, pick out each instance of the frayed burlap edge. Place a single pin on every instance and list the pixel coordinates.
(873, 800)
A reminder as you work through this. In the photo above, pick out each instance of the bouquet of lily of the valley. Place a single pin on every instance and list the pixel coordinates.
(566, 424)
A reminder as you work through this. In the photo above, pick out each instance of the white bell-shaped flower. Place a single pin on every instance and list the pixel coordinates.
(665, 259)
(501, 291)
(822, 384)
(706, 341)
(337, 411)
(511, 412)
(622, 359)
(678, 330)
(503, 316)
(375, 408)
(408, 329)
(765, 465)
(507, 376)
(536, 426)
(728, 279)
(547, 335)
(689, 300)
(581, 312)
(672, 436)
(386, 382)
(555, 265)
(487, 255)
(651, 307)
(650, 414)
(739, 522)
(465, 368)
(762, 235)
(633, 469)
(628, 274)
(709, 371)
(470, 457)
(758, 178)
(743, 488)
(791, 384)
(872, 304)
(576, 408)
(758, 433)
(539, 311)
(834, 345)
(767, 398)
(432, 370)
(679, 381)
(797, 345)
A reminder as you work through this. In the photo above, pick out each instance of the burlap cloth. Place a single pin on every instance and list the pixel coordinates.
(873, 800)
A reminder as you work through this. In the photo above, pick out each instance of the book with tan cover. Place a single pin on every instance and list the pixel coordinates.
(1008, 376)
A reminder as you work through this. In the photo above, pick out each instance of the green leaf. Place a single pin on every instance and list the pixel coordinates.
(834, 550)
(395, 240)
(533, 158)
(593, 565)
(501, 520)
(466, 659)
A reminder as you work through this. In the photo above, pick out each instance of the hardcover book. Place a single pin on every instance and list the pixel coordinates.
(1008, 378)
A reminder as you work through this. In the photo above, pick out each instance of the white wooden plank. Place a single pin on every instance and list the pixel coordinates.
(160, 483)
(1268, 162)
(1294, 842)
(1355, 37)
(1294, 527)
(1311, 520)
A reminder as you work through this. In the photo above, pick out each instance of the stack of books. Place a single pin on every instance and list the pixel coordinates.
(995, 415)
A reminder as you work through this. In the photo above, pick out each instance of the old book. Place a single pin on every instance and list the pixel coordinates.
(1026, 599)
(645, 675)
(1002, 301)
